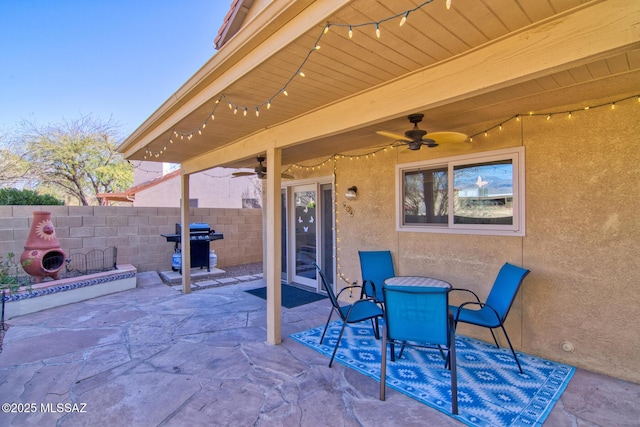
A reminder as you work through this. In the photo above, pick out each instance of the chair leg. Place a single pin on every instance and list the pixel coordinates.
(383, 367)
(454, 370)
(511, 347)
(326, 325)
(404, 344)
(494, 337)
(376, 327)
(335, 350)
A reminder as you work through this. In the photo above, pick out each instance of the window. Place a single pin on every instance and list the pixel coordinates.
(473, 194)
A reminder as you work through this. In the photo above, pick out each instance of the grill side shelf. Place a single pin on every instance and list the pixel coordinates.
(202, 237)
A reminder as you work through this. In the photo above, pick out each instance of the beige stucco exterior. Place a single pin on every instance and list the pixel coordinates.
(581, 245)
(214, 188)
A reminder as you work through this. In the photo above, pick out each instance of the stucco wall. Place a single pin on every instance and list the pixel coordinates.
(214, 188)
(581, 243)
(136, 232)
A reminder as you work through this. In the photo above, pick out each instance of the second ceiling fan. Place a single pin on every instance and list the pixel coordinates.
(260, 171)
(415, 138)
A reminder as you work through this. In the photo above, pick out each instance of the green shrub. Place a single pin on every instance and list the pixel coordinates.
(12, 196)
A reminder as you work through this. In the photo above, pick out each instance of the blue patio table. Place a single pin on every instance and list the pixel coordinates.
(417, 281)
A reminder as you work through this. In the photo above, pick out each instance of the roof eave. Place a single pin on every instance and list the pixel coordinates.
(260, 28)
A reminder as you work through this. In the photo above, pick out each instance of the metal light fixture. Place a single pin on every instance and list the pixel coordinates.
(352, 193)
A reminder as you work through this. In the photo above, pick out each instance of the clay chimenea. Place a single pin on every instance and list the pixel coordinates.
(43, 255)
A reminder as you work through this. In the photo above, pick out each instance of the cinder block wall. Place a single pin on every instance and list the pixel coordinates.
(136, 232)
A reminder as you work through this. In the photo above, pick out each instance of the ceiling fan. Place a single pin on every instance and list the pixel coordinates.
(260, 171)
(415, 138)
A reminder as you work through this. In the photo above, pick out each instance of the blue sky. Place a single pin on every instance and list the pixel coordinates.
(120, 59)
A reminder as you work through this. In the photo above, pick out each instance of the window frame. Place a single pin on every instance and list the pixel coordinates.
(517, 228)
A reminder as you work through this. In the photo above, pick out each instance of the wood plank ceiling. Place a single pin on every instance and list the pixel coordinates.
(345, 66)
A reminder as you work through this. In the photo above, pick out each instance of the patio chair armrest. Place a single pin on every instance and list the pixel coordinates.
(364, 286)
(350, 287)
(465, 290)
(481, 304)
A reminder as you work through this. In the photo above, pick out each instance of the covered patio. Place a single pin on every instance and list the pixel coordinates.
(308, 84)
(154, 356)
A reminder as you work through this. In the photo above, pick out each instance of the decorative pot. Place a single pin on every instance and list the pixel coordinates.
(43, 256)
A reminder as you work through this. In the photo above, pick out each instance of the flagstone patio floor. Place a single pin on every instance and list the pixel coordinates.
(152, 356)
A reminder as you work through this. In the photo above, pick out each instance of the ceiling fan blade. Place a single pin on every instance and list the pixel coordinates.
(392, 135)
(447, 137)
(239, 174)
(286, 176)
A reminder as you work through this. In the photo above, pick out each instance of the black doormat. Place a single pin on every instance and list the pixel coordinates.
(291, 296)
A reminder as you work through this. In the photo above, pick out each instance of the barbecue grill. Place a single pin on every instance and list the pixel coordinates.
(200, 234)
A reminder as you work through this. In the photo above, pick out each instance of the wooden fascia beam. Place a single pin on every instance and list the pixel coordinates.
(229, 68)
(594, 31)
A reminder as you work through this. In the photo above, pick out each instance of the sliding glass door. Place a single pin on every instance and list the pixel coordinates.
(304, 233)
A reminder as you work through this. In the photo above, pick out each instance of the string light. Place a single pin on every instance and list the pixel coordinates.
(404, 19)
(403, 15)
(548, 115)
(232, 106)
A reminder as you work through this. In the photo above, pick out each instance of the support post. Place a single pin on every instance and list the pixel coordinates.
(274, 247)
(185, 242)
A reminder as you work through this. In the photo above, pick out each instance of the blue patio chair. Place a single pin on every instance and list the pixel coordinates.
(419, 316)
(359, 311)
(376, 267)
(493, 313)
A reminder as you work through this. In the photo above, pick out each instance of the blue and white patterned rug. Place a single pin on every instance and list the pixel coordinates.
(491, 390)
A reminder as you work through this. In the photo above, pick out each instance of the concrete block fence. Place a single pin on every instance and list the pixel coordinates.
(136, 232)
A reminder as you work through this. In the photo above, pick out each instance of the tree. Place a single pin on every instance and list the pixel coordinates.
(76, 159)
(13, 167)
